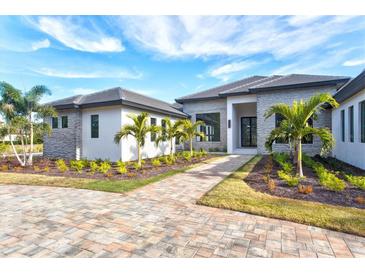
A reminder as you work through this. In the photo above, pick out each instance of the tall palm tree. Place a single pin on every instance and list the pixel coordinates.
(171, 131)
(190, 131)
(24, 116)
(295, 125)
(138, 130)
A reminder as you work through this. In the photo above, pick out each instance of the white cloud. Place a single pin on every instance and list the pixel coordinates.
(202, 36)
(40, 44)
(353, 63)
(122, 74)
(77, 36)
(224, 71)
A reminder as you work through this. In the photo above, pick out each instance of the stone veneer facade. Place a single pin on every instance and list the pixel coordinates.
(65, 143)
(209, 106)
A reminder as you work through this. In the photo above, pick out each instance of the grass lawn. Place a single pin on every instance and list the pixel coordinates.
(233, 193)
(118, 186)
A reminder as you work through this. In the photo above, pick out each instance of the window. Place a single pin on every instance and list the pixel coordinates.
(309, 138)
(211, 129)
(64, 121)
(343, 125)
(362, 122)
(95, 126)
(153, 135)
(278, 119)
(163, 125)
(351, 124)
(54, 122)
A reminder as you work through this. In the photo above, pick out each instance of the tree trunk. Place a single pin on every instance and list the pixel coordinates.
(15, 152)
(191, 147)
(30, 159)
(171, 151)
(299, 161)
(139, 155)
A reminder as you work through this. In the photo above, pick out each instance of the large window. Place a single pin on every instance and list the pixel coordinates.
(343, 125)
(362, 122)
(54, 122)
(153, 135)
(64, 121)
(211, 129)
(95, 126)
(351, 124)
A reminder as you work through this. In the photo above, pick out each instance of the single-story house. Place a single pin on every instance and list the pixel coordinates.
(233, 116)
(86, 125)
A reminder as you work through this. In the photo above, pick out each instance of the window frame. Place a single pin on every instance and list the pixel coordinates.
(351, 124)
(343, 125)
(54, 122)
(204, 128)
(63, 119)
(92, 129)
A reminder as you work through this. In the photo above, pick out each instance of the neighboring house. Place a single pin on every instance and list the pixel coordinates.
(348, 122)
(234, 113)
(86, 125)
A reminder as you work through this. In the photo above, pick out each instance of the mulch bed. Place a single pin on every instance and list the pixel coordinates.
(147, 171)
(320, 194)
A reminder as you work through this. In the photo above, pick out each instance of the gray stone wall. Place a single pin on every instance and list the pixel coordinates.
(264, 127)
(64, 143)
(209, 106)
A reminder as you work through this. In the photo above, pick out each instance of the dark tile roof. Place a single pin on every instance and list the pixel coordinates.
(261, 83)
(351, 88)
(117, 96)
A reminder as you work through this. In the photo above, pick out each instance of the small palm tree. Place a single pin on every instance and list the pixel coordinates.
(138, 130)
(295, 125)
(171, 131)
(24, 116)
(190, 131)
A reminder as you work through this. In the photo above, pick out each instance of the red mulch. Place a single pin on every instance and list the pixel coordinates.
(320, 194)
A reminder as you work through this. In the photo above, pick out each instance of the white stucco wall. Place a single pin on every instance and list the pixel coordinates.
(110, 120)
(129, 146)
(352, 153)
(233, 111)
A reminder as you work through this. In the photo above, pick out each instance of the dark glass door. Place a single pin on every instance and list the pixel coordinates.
(248, 131)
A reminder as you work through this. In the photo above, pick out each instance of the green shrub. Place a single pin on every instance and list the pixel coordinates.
(77, 165)
(93, 166)
(104, 167)
(283, 160)
(122, 167)
(186, 155)
(326, 178)
(288, 178)
(3, 147)
(168, 160)
(358, 181)
(155, 162)
(203, 152)
(137, 166)
(61, 165)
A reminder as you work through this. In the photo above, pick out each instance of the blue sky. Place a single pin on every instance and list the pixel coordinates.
(168, 57)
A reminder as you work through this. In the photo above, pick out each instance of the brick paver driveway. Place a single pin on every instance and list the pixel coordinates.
(159, 220)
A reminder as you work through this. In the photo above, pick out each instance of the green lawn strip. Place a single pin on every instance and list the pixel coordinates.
(86, 183)
(233, 193)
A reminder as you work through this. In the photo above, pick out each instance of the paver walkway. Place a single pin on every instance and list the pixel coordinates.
(159, 220)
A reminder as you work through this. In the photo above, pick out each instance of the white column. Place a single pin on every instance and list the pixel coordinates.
(229, 129)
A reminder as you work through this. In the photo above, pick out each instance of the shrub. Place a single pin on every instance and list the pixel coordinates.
(18, 168)
(77, 165)
(358, 181)
(288, 178)
(155, 162)
(131, 174)
(360, 200)
(46, 169)
(104, 167)
(136, 166)
(271, 185)
(4, 168)
(36, 168)
(93, 167)
(305, 189)
(203, 152)
(3, 148)
(61, 165)
(186, 155)
(122, 167)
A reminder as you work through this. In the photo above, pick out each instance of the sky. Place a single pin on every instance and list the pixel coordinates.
(167, 57)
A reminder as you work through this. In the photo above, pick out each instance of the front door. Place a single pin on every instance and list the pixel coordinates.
(248, 131)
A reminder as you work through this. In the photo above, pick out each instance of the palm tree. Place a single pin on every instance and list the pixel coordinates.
(295, 125)
(24, 116)
(190, 130)
(138, 130)
(171, 131)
